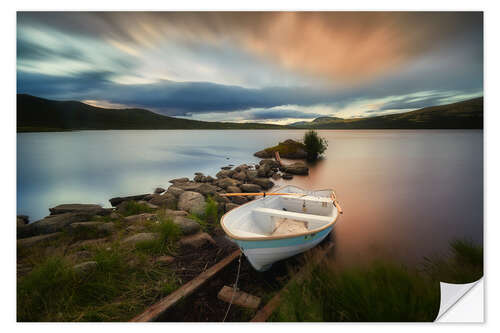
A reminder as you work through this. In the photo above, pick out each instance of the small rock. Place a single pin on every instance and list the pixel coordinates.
(225, 174)
(287, 176)
(116, 201)
(209, 179)
(230, 206)
(206, 189)
(140, 237)
(164, 200)
(159, 190)
(220, 199)
(276, 176)
(239, 200)
(176, 191)
(78, 208)
(140, 218)
(240, 175)
(226, 167)
(241, 167)
(226, 182)
(179, 180)
(199, 178)
(264, 183)
(85, 267)
(249, 188)
(196, 241)
(165, 260)
(234, 189)
(192, 202)
(298, 168)
(187, 225)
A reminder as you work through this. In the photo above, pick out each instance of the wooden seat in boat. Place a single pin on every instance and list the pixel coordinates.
(268, 220)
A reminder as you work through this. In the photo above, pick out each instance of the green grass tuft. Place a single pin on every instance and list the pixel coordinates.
(209, 219)
(168, 234)
(134, 208)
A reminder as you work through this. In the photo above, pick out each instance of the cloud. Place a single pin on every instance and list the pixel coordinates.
(252, 66)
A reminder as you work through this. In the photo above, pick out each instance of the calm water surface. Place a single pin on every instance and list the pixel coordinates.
(404, 193)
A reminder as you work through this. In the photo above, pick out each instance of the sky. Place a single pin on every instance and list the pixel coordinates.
(272, 67)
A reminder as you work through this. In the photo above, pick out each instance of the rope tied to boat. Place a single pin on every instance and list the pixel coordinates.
(235, 287)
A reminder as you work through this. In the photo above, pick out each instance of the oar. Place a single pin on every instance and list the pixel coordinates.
(259, 193)
(336, 203)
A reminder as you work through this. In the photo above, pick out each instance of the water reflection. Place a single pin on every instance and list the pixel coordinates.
(406, 193)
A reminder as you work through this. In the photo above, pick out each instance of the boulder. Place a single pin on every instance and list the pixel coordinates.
(149, 204)
(114, 215)
(288, 149)
(226, 182)
(209, 179)
(159, 190)
(188, 186)
(79, 208)
(241, 167)
(196, 241)
(240, 175)
(251, 175)
(230, 206)
(225, 173)
(187, 226)
(233, 189)
(140, 237)
(85, 267)
(179, 180)
(140, 218)
(192, 202)
(251, 188)
(264, 183)
(287, 176)
(164, 200)
(206, 189)
(116, 201)
(200, 178)
(297, 168)
(176, 191)
(239, 200)
(30, 241)
(52, 223)
(270, 163)
(264, 171)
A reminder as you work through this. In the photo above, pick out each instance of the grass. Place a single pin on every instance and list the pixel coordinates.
(382, 291)
(285, 148)
(120, 286)
(134, 208)
(209, 219)
(85, 232)
(168, 234)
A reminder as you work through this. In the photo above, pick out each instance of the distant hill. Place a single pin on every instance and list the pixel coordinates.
(462, 115)
(36, 114)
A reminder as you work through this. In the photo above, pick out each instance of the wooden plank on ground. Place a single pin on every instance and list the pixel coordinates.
(263, 314)
(240, 298)
(154, 311)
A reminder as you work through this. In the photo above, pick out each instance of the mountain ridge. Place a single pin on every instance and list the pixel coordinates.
(35, 114)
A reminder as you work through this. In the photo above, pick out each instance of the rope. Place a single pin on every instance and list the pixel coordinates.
(234, 288)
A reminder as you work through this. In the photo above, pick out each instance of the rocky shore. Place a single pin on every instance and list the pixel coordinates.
(175, 227)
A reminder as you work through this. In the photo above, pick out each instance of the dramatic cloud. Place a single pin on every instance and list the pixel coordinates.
(252, 65)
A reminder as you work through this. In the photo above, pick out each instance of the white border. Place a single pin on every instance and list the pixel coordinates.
(492, 165)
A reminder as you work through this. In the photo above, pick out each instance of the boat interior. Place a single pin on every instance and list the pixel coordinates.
(281, 215)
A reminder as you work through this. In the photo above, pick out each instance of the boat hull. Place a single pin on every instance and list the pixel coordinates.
(263, 253)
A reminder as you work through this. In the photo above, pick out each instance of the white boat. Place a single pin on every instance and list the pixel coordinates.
(282, 224)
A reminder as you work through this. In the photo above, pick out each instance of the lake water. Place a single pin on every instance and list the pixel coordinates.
(404, 192)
